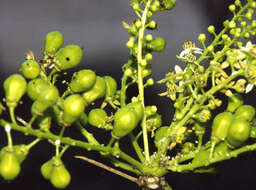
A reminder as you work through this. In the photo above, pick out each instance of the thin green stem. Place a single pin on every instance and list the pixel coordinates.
(33, 143)
(136, 147)
(112, 140)
(140, 78)
(89, 136)
(12, 115)
(31, 121)
(63, 150)
(62, 131)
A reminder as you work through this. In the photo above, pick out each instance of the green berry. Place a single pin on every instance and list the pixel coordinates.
(30, 69)
(111, 86)
(211, 29)
(34, 88)
(53, 42)
(9, 166)
(68, 57)
(202, 38)
(97, 118)
(157, 44)
(246, 112)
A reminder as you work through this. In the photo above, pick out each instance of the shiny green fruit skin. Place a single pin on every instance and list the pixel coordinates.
(234, 102)
(83, 81)
(48, 97)
(46, 169)
(137, 108)
(167, 4)
(111, 86)
(125, 120)
(157, 44)
(68, 57)
(220, 126)
(238, 132)
(246, 112)
(160, 135)
(35, 87)
(9, 166)
(15, 87)
(30, 69)
(97, 91)
(53, 42)
(60, 177)
(97, 117)
(73, 107)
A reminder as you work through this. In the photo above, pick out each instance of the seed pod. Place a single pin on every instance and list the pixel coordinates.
(160, 136)
(246, 112)
(60, 177)
(220, 126)
(137, 108)
(234, 102)
(15, 87)
(47, 98)
(73, 107)
(97, 91)
(125, 120)
(46, 169)
(111, 86)
(30, 69)
(68, 57)
(157, 44)
(53, 42)
(34, 88)
(9, 166)
(82, 81)
(238, 132)
(97, 118)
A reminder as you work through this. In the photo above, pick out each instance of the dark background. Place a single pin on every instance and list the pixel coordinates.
(96, 26)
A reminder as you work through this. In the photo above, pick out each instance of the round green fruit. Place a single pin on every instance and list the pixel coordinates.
(9, 166)
(157, 44)
(97, 117)
(82, 81)
(68, 57)
(30, 69)
(53, 42)
(35, 87)
(46, 169)
(15, 87)
(167, 4)
(154, 121)
(60, 177)
(238, 132)
(137, 108)
(160, 136)
(73, 107)
(125, 120)
(111, 86)
(21, 152)
(246, 112)
(97, 91)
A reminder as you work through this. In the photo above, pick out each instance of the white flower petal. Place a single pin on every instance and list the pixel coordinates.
(248, 88)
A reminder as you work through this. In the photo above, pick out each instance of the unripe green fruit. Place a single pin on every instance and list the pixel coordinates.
(44, 122)
(48, 97)
(68, 57)
(60, 177)
(73, 107)
(234, 102)
(21, 152)
(157, 44)
(220, 126)
(111, 86)
(97, 117)
(53, 42)
(137, 108)
(160, 136)
(34, 88)
(246, 112)
(46, 169)
(9, 166)
(82, 81)
(97, 91)
(125, 121)
(167, 4)
(83, 119)
(238, 132)
(147, 71)
(30, 69)
(15, 87)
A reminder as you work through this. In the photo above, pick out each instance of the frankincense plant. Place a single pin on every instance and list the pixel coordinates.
(226, 65)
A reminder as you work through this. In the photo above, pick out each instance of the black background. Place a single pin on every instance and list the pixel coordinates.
(96, 26)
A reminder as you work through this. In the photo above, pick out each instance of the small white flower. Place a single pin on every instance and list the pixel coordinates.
(178, 69)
